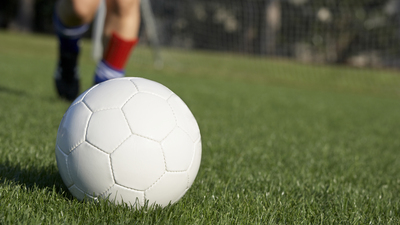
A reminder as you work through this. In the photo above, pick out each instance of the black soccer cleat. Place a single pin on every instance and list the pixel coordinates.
(66, 77)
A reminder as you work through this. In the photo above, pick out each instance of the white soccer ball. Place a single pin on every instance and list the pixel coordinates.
(130, 140)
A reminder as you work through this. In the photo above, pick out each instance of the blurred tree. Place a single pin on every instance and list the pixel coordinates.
(43, 16)
(8, 10)
(25, 15)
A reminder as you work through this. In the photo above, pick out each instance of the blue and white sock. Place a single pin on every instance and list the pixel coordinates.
(68, 36)
(106, 72)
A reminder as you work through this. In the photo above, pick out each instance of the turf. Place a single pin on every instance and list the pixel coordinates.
(283, 142)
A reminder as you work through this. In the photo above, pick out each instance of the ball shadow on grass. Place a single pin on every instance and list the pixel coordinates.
(46, 177)
(11, 91)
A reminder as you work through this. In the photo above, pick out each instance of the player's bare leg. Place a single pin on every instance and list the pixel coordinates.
(71, 20)
(120, 36)
(75, 13)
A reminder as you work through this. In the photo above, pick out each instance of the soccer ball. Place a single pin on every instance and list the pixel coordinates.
(131, 141)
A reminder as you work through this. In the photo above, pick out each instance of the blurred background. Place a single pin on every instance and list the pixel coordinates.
(359, 33)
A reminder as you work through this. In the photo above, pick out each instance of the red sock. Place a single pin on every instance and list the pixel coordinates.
(118, 51)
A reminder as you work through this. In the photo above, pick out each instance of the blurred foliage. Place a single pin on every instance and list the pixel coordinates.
(43, 10)
(8, 10)
(331, 30)
(43, 15)
(345, 27)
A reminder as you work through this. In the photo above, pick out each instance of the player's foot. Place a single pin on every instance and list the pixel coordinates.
(66, 77)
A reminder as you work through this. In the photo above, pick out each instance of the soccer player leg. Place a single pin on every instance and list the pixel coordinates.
(121, 30)
(71, 20)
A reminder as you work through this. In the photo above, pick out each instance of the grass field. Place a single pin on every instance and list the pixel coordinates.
(283, 143)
